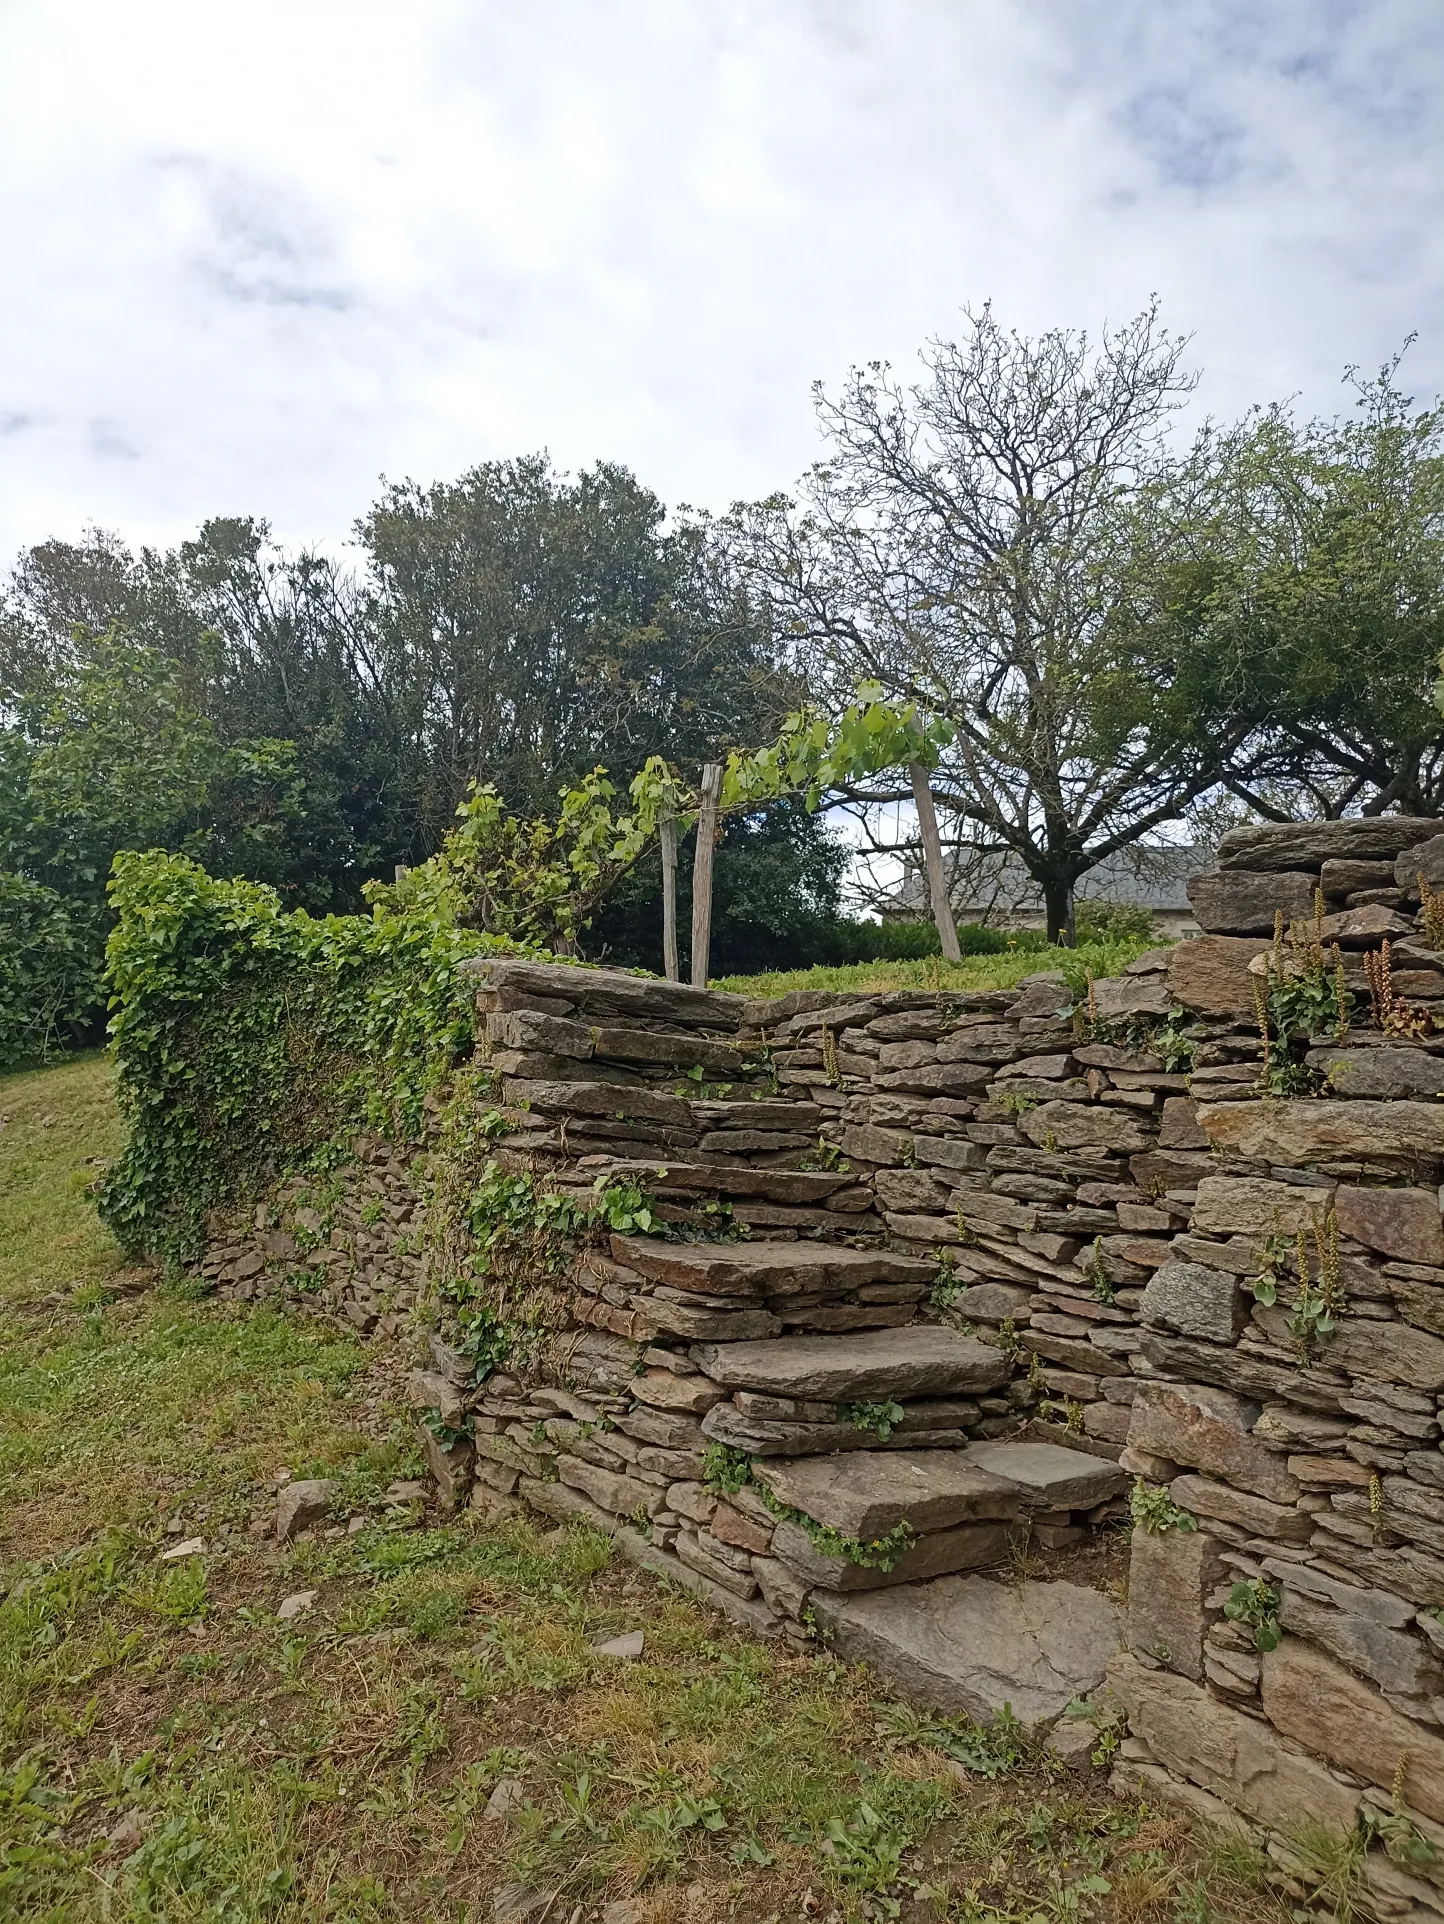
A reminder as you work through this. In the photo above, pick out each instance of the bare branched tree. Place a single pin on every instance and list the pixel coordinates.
(983, 543)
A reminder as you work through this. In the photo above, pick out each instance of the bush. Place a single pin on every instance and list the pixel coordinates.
(50, 975)
(1112, 922)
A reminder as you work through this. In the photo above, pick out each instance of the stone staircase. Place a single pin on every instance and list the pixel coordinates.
(881, 1467)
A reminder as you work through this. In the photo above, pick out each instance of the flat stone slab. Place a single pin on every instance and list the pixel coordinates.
(761, 1436)
(969, 1645)
(609, 991)
(766, 1268)
(1245, 901)
(1380, 1074)
(1276, 845)
(869, 1493)
(1075, 1125)
(1049, 1477)
(724, 1179)
(971, 1546)
(1306, 1131)
(884, 1365)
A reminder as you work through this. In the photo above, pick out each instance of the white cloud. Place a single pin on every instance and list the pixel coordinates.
(257, 256)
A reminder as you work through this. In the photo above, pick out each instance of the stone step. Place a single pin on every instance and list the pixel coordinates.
(761, 1113)
(885, 1365)
(766, 1269)
(971, 1646)
(1049, 1477)
(763, 1436)
(560, 988)
(968, 1546)
(868, 1493)
(700, 1178)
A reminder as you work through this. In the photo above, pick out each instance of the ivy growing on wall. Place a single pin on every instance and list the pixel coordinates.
(502, 1241)
(251, 1041)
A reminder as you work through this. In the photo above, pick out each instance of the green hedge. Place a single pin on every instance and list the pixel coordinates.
(251, 1041)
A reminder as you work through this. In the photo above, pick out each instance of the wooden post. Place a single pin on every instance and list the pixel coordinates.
(702, 872)
(667, 832)
(933, 862)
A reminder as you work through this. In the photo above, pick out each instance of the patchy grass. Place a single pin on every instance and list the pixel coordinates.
(171, 1748)
(931, 972)
(57, 1126)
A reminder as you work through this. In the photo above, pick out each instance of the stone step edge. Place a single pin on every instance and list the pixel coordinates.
(561, 1502)
(687, 1174)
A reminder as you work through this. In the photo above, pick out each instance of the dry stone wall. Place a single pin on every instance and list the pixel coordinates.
(1132, 1233)
(1284, 1653)
(347, 1243)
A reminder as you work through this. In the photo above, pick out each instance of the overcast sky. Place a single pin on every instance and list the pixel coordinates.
(256, 256)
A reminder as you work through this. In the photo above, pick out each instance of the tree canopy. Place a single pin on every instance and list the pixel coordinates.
(1124, 627)
(1310, 602)
(1017, 572)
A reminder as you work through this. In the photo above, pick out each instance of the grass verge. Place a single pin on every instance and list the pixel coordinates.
(245, 1731)
(932, 973)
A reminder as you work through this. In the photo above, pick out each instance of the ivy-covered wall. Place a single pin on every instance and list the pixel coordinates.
(252, 1042)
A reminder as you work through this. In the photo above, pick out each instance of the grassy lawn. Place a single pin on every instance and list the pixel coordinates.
(973, 972)
(173, 1747)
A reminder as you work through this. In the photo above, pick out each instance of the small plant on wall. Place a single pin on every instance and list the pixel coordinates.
(1301, 993)
(1255, 1606)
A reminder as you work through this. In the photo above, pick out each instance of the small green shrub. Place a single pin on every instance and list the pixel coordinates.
(725, 1470)
(1095, 921)
(50, 978)
(879, 1418)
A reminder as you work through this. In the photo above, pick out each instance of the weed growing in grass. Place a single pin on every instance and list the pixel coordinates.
(988, 1750)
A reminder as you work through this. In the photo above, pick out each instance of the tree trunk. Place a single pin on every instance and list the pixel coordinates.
(667, 832)
(933, 862)
(1058, 905)
(702, 872)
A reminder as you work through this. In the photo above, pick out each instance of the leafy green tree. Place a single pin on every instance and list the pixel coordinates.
(50, 970)
(262, 645)
(114, 758)
(542, 626)
(516, 628)
(1312, 603)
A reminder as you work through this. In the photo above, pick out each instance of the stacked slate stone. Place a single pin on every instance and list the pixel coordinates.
(1047, 1169)
(734, 1293)
(793, 1406)
(349, 1253)
(1366, 876)
(590, 1060)
(1292, 1379)
(813, 1347)
(1232, 1292)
